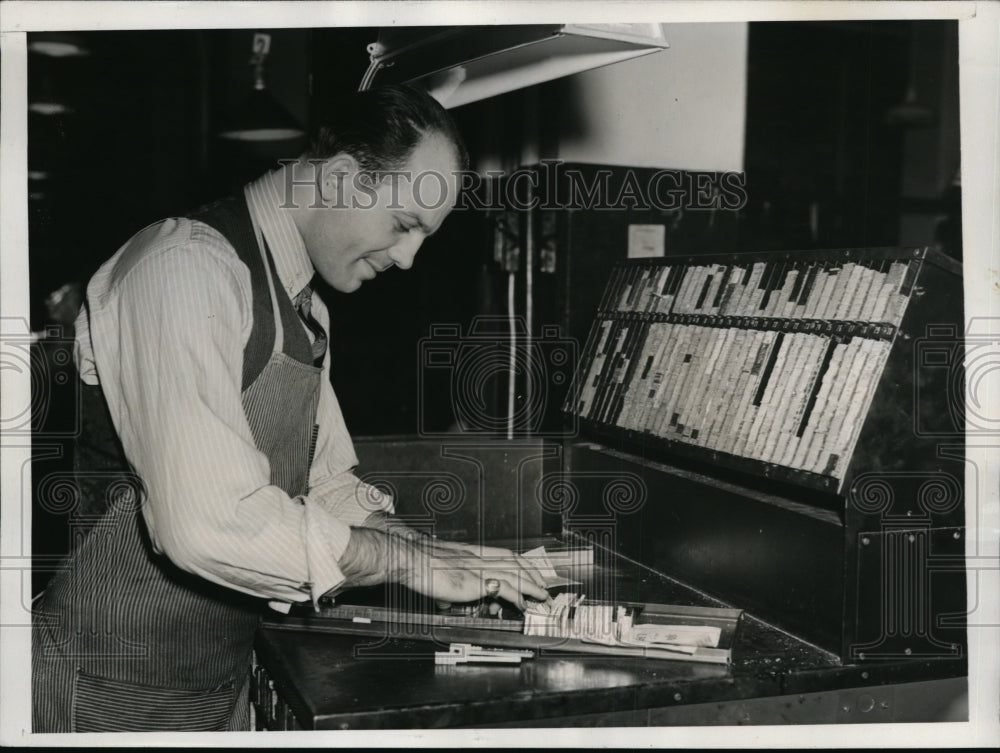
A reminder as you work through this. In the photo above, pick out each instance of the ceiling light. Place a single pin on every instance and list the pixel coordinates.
(57, 45)
(260, 117)
(49, 108)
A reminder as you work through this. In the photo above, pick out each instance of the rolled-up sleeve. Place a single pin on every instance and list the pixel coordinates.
(168, 331)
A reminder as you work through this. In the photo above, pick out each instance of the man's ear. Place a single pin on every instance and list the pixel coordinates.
(335, 178)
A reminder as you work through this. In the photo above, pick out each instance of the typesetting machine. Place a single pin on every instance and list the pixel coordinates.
(755, 515)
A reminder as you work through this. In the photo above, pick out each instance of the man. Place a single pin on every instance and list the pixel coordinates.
(214, 465)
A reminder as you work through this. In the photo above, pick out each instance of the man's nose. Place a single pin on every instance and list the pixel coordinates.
(403, 253)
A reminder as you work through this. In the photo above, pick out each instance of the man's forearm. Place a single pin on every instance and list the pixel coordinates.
(369, 558)
(373, 556)
(377, 556)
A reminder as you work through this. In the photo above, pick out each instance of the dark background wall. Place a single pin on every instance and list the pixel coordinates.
(852, 135)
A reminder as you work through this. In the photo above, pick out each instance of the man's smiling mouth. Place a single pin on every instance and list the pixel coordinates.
(371, 264)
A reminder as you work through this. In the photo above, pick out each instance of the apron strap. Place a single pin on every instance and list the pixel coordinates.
(279, 331)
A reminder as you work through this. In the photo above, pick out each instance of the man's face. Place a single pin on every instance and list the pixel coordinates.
(365, 229)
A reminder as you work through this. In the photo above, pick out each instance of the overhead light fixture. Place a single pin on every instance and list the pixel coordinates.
(458, 65)
(49, 108)
(58, 45)
(260, 117)
(46, 97)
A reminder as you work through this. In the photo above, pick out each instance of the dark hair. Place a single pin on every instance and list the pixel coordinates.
(380, 127)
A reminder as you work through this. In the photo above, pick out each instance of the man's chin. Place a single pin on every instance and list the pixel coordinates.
(348, 286)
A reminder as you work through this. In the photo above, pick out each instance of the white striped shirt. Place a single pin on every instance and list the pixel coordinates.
(169, 316)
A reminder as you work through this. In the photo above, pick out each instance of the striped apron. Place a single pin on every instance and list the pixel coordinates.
(124, 640)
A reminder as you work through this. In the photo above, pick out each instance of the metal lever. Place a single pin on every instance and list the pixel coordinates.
(465, 653)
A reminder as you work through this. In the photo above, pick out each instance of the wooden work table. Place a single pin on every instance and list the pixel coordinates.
(315, 679)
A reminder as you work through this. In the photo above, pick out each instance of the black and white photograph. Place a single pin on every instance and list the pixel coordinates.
(464, 374)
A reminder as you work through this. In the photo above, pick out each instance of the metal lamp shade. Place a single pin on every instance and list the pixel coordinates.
(260, 118)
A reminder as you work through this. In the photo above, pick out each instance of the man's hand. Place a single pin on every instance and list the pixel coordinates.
(449, 574)
(459, 576)
(495, 555)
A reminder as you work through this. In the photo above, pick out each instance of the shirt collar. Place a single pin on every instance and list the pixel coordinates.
(291, 260)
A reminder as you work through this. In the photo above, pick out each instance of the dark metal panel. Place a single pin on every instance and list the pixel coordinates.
(466, 490)
(623, 718)
(930, 701)
(910, 594)
(754, 551)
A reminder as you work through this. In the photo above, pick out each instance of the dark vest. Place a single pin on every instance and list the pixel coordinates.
(124, 639)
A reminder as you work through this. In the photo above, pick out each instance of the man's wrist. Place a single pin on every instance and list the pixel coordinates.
(365, 558)
(373, 556)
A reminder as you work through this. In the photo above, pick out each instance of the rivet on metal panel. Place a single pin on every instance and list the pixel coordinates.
(865, 540)
(865, 703)
(956, 535)
(861, 655)
(884, 704)
(864, 675)
(677, 697)
(911, 538)
(846, 709)
(907, 651)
